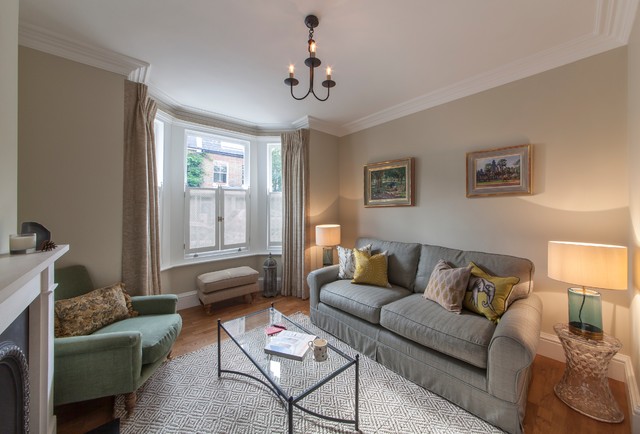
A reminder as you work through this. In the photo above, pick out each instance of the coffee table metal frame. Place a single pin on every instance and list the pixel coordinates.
(290, 401)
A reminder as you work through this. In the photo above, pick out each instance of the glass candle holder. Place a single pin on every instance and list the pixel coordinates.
(22, 243)
(585, 313)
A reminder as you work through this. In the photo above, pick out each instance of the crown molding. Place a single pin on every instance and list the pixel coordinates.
(44, 40)
(612, 26)
(611, 29)
(171, 106)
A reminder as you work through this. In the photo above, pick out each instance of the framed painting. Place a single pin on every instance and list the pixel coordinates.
(503, 171)
(389, 183)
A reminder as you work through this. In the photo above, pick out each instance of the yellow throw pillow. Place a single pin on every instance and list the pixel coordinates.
(487, 294)
(89, 312)
(371, 270)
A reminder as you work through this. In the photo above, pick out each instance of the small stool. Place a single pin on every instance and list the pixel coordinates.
(224, 284)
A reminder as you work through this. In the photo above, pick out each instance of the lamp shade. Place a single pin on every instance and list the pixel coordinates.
(589, 265)
(327, 235)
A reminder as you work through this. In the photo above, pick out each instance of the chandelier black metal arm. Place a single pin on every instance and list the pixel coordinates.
(311, 21)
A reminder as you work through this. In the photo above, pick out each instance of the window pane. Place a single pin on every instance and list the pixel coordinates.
(275, 167)
(216, 160)
(202, 218)
(275, 218)
(235, 217)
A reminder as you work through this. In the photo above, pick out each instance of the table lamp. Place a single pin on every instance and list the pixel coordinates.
(588, 265)
(327, 236)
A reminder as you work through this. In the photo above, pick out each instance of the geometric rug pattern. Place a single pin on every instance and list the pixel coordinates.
(185, 395)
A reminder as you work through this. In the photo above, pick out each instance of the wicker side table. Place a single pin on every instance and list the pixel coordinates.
(585, 384)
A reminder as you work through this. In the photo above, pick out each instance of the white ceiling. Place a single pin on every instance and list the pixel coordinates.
(228, 58)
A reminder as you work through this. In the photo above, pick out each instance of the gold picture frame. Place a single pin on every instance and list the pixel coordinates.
(389, 183)
(502, 171)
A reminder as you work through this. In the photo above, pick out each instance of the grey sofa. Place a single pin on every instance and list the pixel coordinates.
(482, 367)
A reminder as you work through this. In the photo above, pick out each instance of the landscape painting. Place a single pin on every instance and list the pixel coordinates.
(389, 183)
(499, 171)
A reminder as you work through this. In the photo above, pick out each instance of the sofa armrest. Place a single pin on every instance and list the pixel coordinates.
(317, 278)
(513, 347)
(87, 367)
(155, 304)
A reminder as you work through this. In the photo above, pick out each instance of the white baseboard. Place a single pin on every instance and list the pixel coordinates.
(188, 299)
(620, 368)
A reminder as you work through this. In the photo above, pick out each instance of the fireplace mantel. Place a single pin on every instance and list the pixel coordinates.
(26, 281)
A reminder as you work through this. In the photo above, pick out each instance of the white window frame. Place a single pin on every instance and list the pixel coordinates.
(271, 244)
(173, 194)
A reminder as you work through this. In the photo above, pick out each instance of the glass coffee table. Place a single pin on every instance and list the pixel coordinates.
(290, 380)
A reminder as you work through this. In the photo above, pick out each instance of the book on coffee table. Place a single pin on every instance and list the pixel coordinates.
(289, 344)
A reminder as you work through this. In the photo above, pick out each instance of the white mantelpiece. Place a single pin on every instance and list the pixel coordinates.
(27, 281)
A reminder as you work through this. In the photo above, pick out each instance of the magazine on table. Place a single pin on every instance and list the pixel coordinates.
(289, 344)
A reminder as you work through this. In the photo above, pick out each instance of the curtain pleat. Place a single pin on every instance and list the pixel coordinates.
(140, 229)
(295, 255)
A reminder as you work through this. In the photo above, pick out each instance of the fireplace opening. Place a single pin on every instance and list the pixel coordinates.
(14, 377)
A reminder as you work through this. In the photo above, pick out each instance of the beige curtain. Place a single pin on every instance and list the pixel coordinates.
(140, 237)
(295, 233)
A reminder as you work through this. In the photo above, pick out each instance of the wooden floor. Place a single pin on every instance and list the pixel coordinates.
(545, 412)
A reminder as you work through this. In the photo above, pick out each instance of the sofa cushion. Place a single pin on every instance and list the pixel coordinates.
(465, 337)
(371, 269)
(402, 259)
(487, 294)
(447, 286)
(494, 264)
(159, 332)
(84, 314)
(347, 261)
(363, 301)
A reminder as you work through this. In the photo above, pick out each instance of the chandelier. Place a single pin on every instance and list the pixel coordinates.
(311, 21)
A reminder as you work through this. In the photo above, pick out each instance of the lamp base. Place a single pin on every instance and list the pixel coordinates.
(586, 330)
(327, 256)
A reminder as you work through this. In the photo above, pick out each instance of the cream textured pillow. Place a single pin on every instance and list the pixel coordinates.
(371, 270)
(89, 312)
(348, 262)
(447, 286)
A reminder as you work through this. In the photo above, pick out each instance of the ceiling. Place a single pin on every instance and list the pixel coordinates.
(227, 59)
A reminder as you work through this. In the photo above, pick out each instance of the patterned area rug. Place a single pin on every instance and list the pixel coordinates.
(185, 395)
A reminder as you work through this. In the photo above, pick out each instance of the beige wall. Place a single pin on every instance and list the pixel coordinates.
(633, 122)
(8, 121)
(70, 158)
(575, 118)
(323, 187)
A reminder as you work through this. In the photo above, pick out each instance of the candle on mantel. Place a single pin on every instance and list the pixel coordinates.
(290, 71)
(328, 73)
(23, 243)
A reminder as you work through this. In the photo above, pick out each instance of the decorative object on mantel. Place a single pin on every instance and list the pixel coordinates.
(48, 245)
(389, 183)
(311, 21)
(503, 171)
(22, 243)
(42, 233)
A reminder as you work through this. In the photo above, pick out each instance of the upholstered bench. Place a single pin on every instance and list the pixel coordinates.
(224, 284)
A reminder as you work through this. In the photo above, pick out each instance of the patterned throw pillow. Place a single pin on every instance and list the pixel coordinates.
(487, 294)
(371, 270)
(89, 312)
(348, 262)
(447, 286)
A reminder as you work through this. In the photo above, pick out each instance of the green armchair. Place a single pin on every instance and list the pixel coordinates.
(118, 358)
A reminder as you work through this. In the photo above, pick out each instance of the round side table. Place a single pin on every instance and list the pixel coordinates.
(585, 384)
